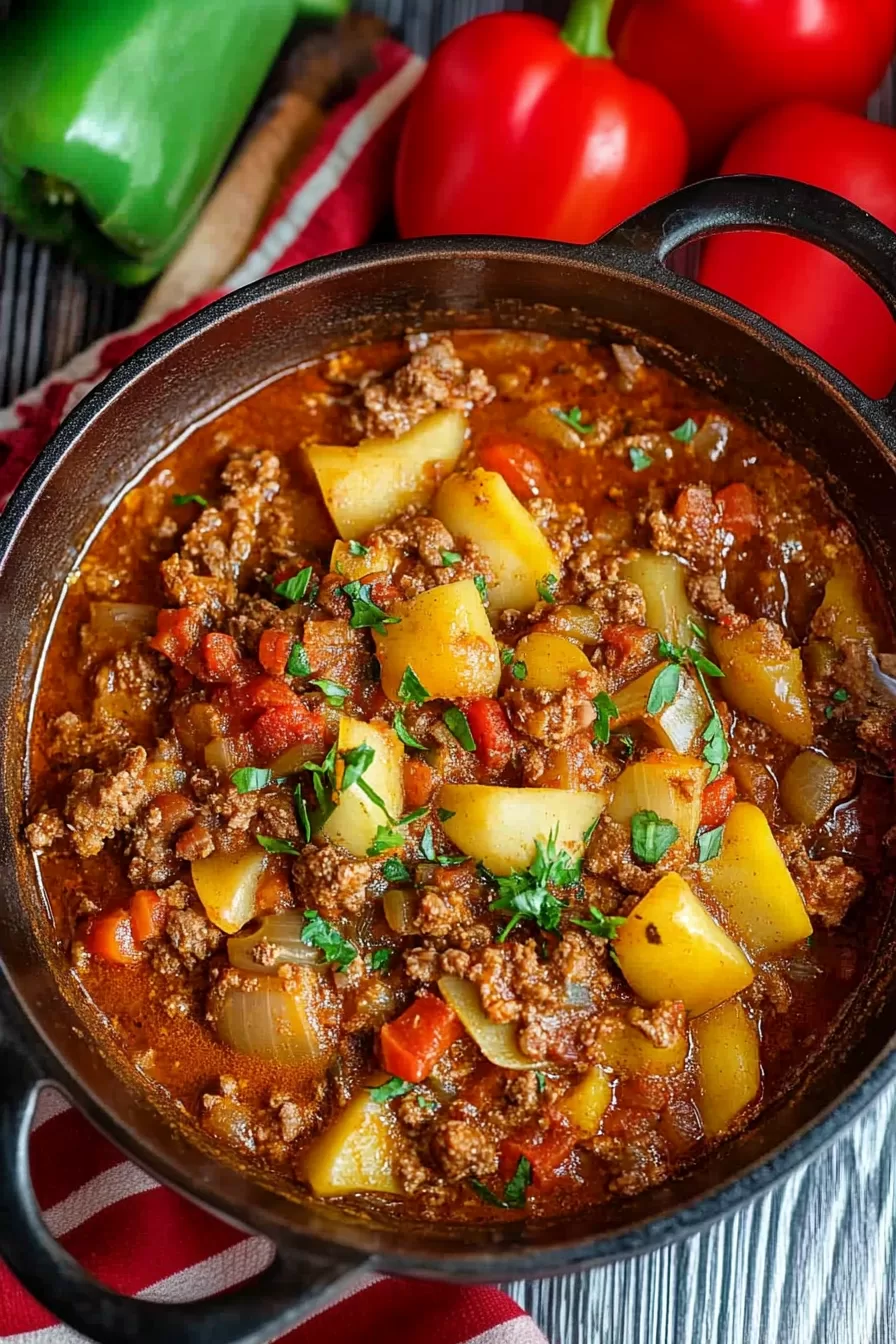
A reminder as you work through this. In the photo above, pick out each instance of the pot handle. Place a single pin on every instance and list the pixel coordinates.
(751, 201)
(289, 1290)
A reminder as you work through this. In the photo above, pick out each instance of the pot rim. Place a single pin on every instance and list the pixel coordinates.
(628, 259)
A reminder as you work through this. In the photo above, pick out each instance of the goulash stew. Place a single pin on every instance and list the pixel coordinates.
(461, 774)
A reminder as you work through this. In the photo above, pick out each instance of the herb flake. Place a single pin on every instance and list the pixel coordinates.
(601, 925)
(450, 558)
(298, 664)
(318, 932)
(273, 845)
(334, 694)
(403, 733)
(652, 836)
(639, 459)
(573, 418)
(709, 844)
(527, 895)
(180, 500)
(300, 587)
(456, 722)
(685, 431)
(393, 1087)
(606, 710)
(366, 615)
(547, 587)
(249, 778)
(411, 689)
(355, 548)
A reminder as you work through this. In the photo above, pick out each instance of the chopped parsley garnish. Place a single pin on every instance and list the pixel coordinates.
(456, 722)
(301, 810)
(519, 670)
(696, 629)
(427, 846)
(627, 742)
(547, 588)
(249, 778)
(297, 665)
(334, 694)
(514, 1190)
(404, 735)
(386, 838)
(685, 431)
(417, 814)
(427, 1103)
(541, 1081)
(586, 835)
(639, 459)
(481, 587)
(411, 689)
(395, 871)
(709, 844)
(275, 846)
(450, 558)
(839, 696)
(601, 925)
(527, 894)
(652, 836)
(380, 959)
(355, 548)
(301, 586)
(394, 1087)
(507, 657)
(190, 499)
(664, 688)
(444, 814)
(573, 418)
(323, 783)
(356, 761)
(366, 615)
(605, 710)
(318, 932)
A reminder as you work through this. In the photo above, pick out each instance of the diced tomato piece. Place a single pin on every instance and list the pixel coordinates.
(419, 781)
(273, 892)
(521, 466)
(382, 590)
(629, 1122)
(274, 649)
(193, 843)
(276, 729)
(630, 648)
(147, 913)
(411, 1045)
(111, 937)
(176, 810)
(491, 733)
(545, 1149)
(644, 1092)
(176, 633)
(718, 799)
(740, 510)
(261, 693)
(218, 658)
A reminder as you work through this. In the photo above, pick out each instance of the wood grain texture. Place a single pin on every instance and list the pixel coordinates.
(814, 1261)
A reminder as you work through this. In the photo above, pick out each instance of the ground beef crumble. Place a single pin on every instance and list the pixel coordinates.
(433, 378)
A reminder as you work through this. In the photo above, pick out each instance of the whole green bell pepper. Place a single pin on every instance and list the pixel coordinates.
(115, 117)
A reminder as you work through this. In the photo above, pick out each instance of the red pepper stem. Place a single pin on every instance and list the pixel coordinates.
(585, 29)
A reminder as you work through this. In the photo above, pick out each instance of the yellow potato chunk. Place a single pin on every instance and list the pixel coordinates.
(354, 821)
(677, 727)
(661, 579)
(764, 678)
(370, 485)
(357, 1150)
(673, 789)
(445, 636)
(584, 1104)
(726, 1045)
(627, 1051)
(226, 885)
(499, 826)
(749, 879)
(377, 559)
(481, 506)
(551, 661)
(843, 613)
(670, 947)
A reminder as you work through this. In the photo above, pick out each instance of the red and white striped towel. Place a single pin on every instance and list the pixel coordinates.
(133, 1234)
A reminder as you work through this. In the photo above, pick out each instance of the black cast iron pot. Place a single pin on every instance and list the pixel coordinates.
(619, 287)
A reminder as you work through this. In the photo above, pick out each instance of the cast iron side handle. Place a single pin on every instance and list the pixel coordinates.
(750, 201)
(284, 1294)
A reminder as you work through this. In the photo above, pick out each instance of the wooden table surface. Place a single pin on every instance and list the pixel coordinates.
(814, 1261)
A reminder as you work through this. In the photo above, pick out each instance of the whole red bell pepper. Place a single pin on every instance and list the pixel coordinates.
(520, 128)
(722, 62)
(810, 294)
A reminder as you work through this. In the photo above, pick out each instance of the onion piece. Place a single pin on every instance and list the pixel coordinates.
(283, 1018)
(399, 908)
(496, 1040)
(294, 758)
(544, 424)
(812, 785)
(579, 624)
(117, 625)
(266, 944)
(226, 754)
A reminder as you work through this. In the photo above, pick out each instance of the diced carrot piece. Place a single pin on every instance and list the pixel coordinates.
(521, 466)
(411, 1045)
(718, 799)
(545, 1149)
(696, 507)
(419, 781)
(491, 733)
(176, 633)
(274, 649)
(111, 937)
(193, 843)
(147, 910)
(264, 692)
(279, 728)
(740, 510)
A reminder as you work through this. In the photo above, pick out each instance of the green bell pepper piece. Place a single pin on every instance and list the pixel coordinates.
(116, 117)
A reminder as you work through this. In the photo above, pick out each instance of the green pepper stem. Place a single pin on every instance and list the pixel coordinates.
(585, 29)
